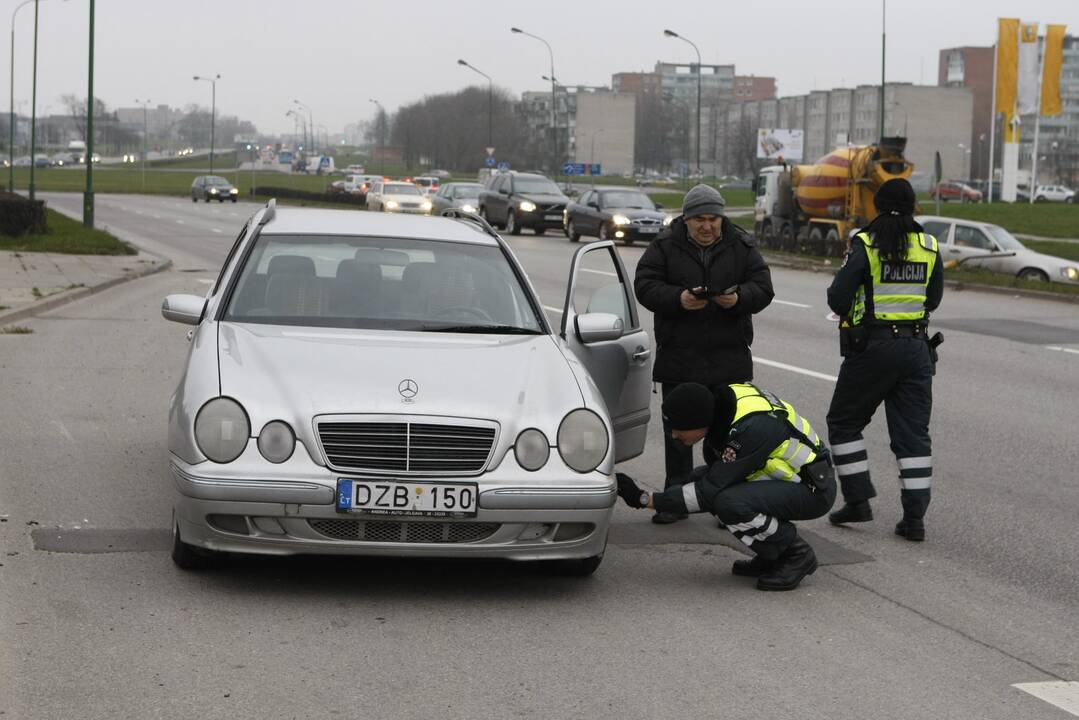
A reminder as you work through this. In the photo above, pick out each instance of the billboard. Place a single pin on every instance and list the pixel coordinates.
(773, 143)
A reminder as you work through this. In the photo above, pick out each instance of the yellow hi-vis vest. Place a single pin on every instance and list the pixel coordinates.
(897, 287)
(787, 459)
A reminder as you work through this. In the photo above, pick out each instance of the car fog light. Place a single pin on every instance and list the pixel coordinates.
(532, 449)
(534, 531)
(277, 441)
(222, 430)
(527, 206)
(582, 440)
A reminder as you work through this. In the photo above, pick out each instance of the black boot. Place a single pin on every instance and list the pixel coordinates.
(911, 528)
(797, 561)
(665, 517)
(852, 513)
(754, 567)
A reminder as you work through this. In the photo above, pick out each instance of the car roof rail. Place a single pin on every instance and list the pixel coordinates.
(271, 212)
(459, 214)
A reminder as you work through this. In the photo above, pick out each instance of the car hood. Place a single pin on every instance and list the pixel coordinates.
(543, 198)
(296, 373)
(636, 213)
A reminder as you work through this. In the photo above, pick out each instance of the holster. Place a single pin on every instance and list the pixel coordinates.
(852, 339)
(935, 341)
(818, 474)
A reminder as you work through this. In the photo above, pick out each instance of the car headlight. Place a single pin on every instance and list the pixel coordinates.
(620, 220)
(532, 449)
(391, 204)
(222, 429)
(667, 220)
(1071, 273)
(527, 206)
(582, 440)
(468, 208)
(425, 205)
(234, 191)
(277, 441)
(213, 191)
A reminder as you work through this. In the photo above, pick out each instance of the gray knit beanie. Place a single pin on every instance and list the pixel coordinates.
(702, 200)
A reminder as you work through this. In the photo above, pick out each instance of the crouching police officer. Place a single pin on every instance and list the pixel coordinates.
(889, 282)
(771, 468)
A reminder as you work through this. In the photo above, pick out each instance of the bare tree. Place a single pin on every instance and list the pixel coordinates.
(76, 109)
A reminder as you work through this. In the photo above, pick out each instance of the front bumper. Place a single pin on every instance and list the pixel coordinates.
(285, 517)
(550, 219)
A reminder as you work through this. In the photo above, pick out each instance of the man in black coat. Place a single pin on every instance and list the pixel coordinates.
(703, 279)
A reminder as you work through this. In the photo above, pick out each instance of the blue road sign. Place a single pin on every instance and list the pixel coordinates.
(594, 170)
(573, 169)
(490, 162)
(503, 165)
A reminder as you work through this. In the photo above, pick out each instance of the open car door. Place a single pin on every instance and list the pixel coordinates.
(600, 325)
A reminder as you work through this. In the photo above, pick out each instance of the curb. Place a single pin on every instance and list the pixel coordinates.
(68, 296)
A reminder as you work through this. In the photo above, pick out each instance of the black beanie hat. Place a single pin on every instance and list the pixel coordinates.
(895, 196)
(690, 406)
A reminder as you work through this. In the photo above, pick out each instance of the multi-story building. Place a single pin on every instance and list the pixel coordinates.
(972, 67)
(552, 149)
(605, 130)
(637, 82)
(748, 88)
(679, 82)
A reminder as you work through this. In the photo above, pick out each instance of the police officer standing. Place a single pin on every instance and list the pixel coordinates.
(703, 279)
(889, 283)
(770, 468)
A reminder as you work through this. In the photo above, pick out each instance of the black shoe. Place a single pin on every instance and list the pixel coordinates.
(911, 528)
(666, 518)
(790, 569)
(852, 513)
(754, 567)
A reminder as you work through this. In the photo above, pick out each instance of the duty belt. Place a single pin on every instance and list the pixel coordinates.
(896, 330)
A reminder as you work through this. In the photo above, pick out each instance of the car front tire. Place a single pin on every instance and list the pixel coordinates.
(571, 232)
(189, 557)
(194, 199)
(1033, 274)
(511, 224)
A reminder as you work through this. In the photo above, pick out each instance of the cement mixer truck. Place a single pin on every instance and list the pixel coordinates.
(814, 208)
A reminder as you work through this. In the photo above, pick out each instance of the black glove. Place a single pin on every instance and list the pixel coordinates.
(628, 491)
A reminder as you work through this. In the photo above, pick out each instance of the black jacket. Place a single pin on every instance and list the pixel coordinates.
(709, 346)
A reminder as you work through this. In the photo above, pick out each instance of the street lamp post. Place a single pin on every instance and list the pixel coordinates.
(490, 96)
(213, 112)
(310, 121)
(378, 141)
(672, 33)
(554, 128)
(145, 104)
(11, 146)
(88, 194)
(33, 110)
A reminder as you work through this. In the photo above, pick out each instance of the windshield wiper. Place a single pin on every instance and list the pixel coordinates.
(492, 329)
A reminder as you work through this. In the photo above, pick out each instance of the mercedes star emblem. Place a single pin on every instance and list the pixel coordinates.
(408, 389)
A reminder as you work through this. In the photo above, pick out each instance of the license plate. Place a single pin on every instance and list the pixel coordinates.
(552, 217)
(394, 497)
(649, 230)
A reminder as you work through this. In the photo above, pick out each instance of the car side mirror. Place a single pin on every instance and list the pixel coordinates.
(503, 191)
(659, 206)
(593, 204)
(186, 309)
(598, 327)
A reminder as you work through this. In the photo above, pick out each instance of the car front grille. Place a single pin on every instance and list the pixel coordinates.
(550, 209)
(647, 222)
(388, 531)
(403, 447)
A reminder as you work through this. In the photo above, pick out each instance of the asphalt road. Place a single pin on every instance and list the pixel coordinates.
(97, 623)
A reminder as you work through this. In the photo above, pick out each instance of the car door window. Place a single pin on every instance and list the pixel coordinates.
(586, 198)
(966, 236)
(600, 288)
(937, 229)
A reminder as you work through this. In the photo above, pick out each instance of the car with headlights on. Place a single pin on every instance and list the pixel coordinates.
(622, 214)
(397, 197)
(972, 244)
(461, 195)
(384, 384)
(515, 200)
(213, 187)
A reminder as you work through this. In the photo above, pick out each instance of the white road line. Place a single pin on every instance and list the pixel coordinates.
(63, 430)
(599, 272)
(1064, 695)
(181, 222)
(792, 304)
(216, 230)
(156, 216)
(553, 309)
(206, 281)
(1062, 349)
(795, 369)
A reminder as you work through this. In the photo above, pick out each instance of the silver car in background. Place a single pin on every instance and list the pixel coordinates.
(973, 244)
(375, 384)
(461, 195)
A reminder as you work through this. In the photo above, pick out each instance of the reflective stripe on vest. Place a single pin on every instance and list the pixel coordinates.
(899, 298)
(787, 458)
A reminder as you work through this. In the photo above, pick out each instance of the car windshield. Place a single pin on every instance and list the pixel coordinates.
(467, 191)
(381, 283)
(1004, 238)
(633, 200)
(401, 189)
(539, 186)
(215, 180)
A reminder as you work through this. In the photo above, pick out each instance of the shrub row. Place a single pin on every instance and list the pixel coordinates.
(19, 216)
(281, 192)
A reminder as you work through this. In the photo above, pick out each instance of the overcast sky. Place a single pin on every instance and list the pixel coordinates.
(336, 54)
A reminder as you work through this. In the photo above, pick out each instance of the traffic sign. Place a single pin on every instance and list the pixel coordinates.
(594, 170)
(503, 165)
(490, 151)
(573, 169)
(489, 162)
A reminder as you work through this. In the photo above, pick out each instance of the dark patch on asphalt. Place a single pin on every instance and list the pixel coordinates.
(193, 270)
(700, 531)
(1022, 331)
(100, 540)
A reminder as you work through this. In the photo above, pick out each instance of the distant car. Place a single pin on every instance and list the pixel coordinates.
(516, 200)
(363, 384)
(60, 160)
(42, 160)
(355, 170)
(397, 197)
(212, 187)
(955, 192)
(440, 174)
(984, 245)
(1054, 193)
(427, 183)
(337, 187)
(625, 214)
(23, 161)
(462, 195)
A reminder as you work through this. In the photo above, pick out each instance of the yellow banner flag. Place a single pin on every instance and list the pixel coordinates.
(1052, 63)
(1007, 65)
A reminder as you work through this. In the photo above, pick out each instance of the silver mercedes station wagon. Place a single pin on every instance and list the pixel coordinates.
(374, 384)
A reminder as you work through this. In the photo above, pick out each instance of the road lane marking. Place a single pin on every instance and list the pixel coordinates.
(206, 281)
(156, 216)
(63, 430)
(1062, 349)
(216, 230)
(792, 304)
(181, 222)
(795, 369)
(600, 272)
(1061, 694)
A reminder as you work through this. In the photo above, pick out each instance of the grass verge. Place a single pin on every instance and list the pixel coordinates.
(15, 330)
(68, 237)
(1053, 220)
